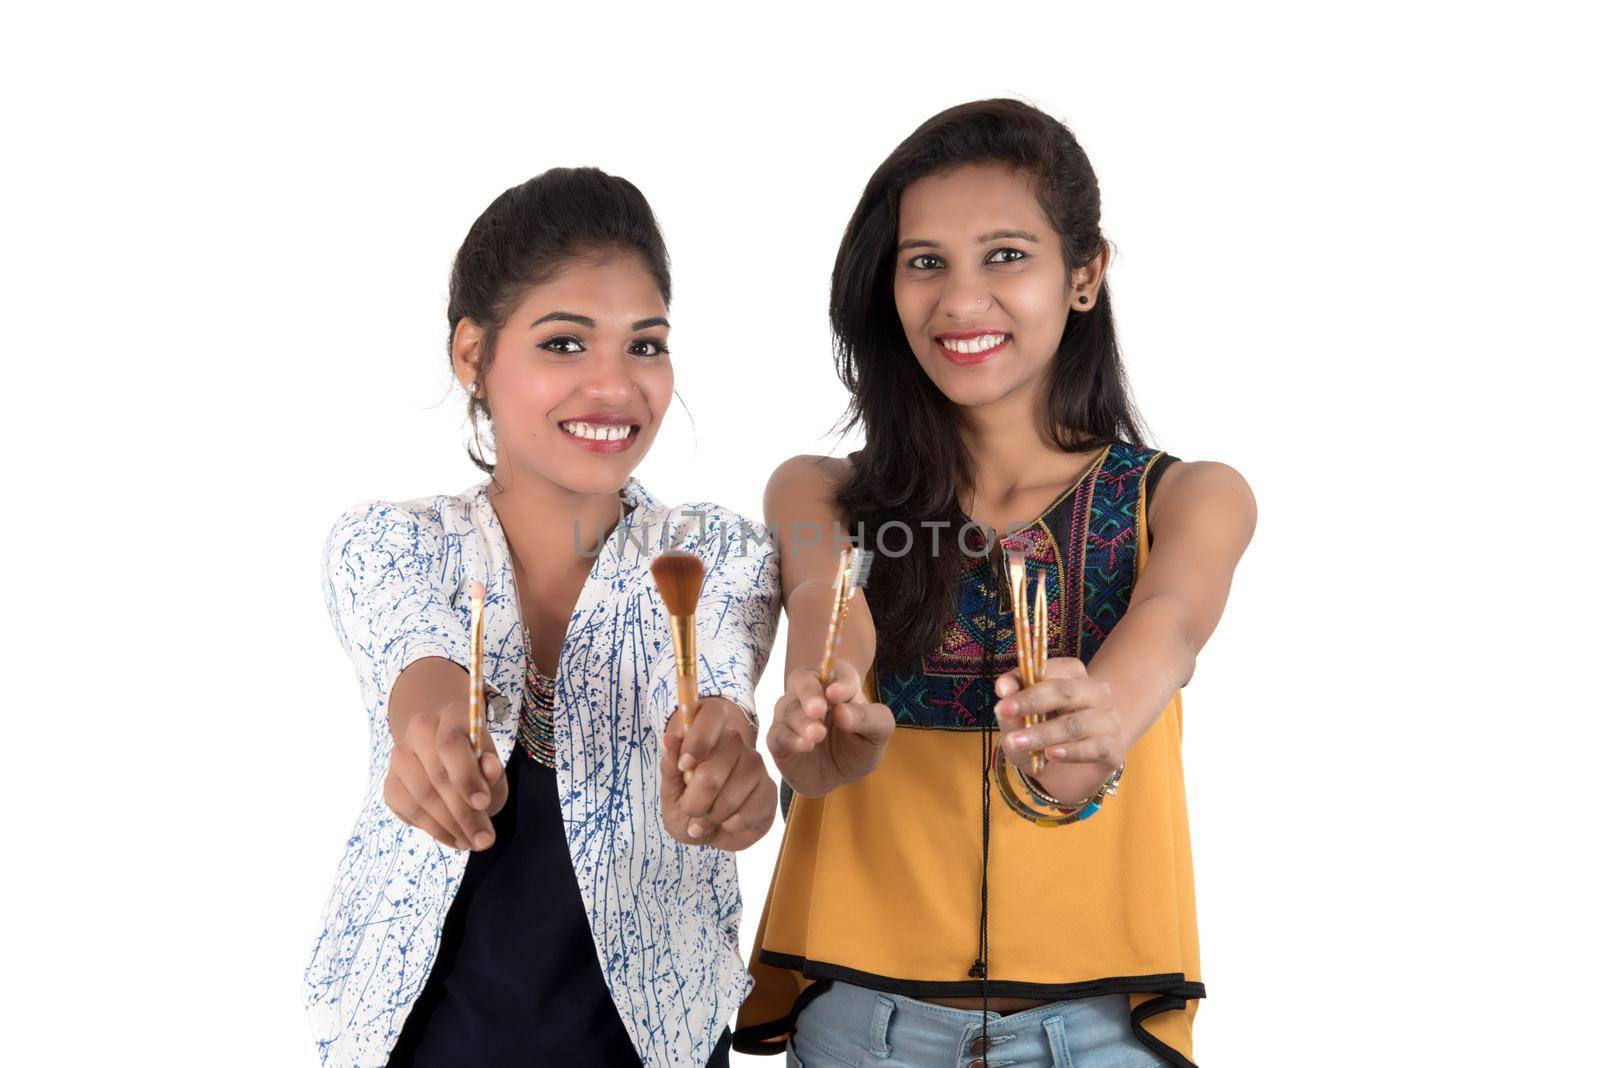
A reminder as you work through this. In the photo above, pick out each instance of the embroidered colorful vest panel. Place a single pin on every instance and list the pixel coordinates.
(877, 883)
(1084, 544)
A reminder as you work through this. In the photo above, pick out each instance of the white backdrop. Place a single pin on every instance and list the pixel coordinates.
(1356, 253)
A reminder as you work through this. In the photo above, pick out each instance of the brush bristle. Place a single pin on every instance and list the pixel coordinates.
(1016, 565)
(477, 591)
(678, 576)
(860, 567)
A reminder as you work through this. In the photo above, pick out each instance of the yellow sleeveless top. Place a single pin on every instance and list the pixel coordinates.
(878, 882)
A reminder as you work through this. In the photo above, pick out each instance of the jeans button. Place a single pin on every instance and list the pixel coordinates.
(980, 1045)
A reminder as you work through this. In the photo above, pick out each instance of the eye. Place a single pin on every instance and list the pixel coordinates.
(652, 347)
(916, 266)
(1016, 255)
(562, 340)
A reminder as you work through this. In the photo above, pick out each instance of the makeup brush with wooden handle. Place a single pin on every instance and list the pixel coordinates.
(1029, 644)
(1039, 626)
(679, 576)
(854, 565)
(477, 722)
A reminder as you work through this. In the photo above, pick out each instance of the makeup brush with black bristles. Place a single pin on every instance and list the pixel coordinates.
(679, 576)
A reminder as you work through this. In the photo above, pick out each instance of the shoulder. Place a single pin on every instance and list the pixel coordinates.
(805, 481)
(810, 470)
(738, 552)
(1205, 490)
(420, 521)
(713, 513)
(703, 526)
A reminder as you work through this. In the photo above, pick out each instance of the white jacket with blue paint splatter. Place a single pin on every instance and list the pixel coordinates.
(395, 579)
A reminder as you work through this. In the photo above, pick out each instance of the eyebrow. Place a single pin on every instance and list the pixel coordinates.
(922, 242)
(584, 320)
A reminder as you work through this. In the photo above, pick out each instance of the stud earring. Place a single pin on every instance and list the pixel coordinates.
(1083, 300)
(472, 387)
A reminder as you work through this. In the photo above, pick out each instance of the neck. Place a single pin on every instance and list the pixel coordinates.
(1010, 445)
(549, 528)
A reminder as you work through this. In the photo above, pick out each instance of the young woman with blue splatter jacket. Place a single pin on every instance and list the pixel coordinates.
(565, 897)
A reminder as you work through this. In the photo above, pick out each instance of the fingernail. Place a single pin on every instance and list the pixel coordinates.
(1006, 708)
(685, 762)
(1020, 740)
(1057, 753)
(480, 800)
(696, 829)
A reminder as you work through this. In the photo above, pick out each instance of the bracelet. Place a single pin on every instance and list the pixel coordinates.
(1064, 813)
(1037, 791)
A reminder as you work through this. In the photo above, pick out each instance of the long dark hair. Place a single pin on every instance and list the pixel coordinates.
(529, 233)
(915, 467)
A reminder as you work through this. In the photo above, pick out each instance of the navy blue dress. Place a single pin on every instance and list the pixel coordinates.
(527, 990)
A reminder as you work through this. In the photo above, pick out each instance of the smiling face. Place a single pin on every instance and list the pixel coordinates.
(980, 284)
(580, 379)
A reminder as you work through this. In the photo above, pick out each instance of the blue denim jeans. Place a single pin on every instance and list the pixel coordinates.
(852, 1027)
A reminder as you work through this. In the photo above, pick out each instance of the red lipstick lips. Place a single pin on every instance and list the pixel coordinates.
(601, 432)
(970, 359)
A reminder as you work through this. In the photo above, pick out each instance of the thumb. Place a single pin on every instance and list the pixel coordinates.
(864, 720)
(846, 682)
(672, 781)
(495, 775)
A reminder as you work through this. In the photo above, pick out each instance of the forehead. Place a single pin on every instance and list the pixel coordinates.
(618, 289)
(968, 200)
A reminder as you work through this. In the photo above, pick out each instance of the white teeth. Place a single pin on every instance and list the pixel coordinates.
(597, 431)
(977, 344)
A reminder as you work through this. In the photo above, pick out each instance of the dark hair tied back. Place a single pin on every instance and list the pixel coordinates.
(528, 234)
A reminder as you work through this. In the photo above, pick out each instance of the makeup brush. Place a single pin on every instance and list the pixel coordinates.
(852, 575)
(477, 724)
(1040, 626)
(1030, 639)
(679, 576)
(1016, 572)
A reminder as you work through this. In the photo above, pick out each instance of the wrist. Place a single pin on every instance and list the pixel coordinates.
(744, 723)
(806, 778)
(1069, 780)
(1080, 798)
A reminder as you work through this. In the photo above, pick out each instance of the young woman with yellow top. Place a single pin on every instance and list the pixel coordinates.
(919, 913)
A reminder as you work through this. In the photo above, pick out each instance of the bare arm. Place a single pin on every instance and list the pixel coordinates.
(803, 516)
(1205, 517)
(820, 739)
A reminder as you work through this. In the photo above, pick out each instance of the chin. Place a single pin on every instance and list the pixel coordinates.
(583, 475)
(592, 479)
(972, 390)
(595, 487)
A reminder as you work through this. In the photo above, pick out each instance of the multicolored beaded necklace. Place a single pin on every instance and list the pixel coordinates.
(536, 730)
